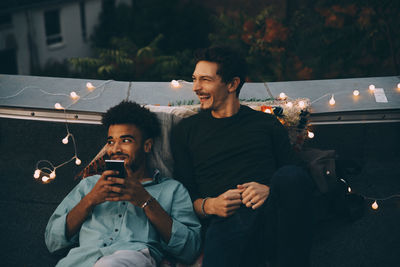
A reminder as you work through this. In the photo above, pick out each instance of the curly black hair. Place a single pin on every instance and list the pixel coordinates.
(132, 113)
(230, 63)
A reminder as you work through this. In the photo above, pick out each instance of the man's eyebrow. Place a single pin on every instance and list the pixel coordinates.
(203, 76)
(128, 135)
(123, 136)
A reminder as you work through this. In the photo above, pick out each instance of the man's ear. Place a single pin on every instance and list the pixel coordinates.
(233, 85)
(148, 144)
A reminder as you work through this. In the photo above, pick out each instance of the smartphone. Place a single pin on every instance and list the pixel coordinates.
(116, 165)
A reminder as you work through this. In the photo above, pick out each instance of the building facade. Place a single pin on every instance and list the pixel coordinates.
(39, 32)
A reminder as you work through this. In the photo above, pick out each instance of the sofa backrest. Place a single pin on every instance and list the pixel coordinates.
(160, 156)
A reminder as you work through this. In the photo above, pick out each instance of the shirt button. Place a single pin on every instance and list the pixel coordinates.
(104, 245)
(116, 230)
(120, 215)
(111, 238)
(123, 203)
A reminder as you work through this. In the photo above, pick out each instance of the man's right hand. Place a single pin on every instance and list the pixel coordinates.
(225, 204)
(96, 196)
(102, 190)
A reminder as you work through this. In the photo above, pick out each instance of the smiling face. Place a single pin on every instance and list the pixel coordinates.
(212, 92)
(125, 142)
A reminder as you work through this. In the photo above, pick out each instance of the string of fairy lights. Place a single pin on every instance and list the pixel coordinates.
(45, 171)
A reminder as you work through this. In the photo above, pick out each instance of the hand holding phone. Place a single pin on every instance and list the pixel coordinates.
(116, 165)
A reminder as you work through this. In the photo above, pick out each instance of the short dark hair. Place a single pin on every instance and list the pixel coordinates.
(128, 112)
(230, 63)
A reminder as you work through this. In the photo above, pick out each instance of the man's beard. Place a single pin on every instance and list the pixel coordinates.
(133, 166)
(203, 108)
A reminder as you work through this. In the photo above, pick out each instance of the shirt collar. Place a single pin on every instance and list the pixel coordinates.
(155, 180)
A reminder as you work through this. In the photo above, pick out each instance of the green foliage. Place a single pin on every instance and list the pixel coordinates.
(121, 62)
(260, 39)
(154, 40)
(184, 103)
(54, 69)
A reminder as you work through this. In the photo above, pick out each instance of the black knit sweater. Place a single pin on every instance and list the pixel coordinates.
(213, 155)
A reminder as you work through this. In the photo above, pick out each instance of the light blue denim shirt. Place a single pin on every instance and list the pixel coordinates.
(120, 225)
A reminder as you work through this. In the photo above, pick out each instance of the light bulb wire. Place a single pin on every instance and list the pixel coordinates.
(103, 86)
(382, 199)
(371, 198)
(44, 161)
(32, 87)
(69, 134)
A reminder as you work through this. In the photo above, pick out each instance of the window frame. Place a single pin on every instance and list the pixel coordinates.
(54, 38)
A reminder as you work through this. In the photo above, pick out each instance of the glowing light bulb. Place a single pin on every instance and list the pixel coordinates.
(282, 96)
(267, 110)
(302, 104)
(175, 84)
(65, 140)
(45, 179)
(356, 93)
(371, 87)
(375, 205)
(310, 135)
(74, 95)
(36, 174)
(398, 85)
(332, 101)
(78, 161)
(90, 86)
(349, 189)
(289, 104)
(53, 175)
(58, 106)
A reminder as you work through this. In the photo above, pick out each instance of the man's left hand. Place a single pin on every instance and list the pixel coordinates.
(254, 194)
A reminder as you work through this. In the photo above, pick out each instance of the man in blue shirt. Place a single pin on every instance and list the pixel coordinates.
(130, 221)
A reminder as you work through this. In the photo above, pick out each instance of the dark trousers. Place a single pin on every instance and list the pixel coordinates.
(279, 230)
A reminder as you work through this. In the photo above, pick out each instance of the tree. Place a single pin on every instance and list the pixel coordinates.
(328, 39)
(155, 39)
(150, 40)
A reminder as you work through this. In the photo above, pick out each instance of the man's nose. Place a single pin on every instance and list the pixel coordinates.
(116, 148)
(196, 86)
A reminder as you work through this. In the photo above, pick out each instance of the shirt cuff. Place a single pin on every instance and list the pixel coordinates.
(184, 243)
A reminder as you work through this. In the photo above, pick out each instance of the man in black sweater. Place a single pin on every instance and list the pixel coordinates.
(241, 172)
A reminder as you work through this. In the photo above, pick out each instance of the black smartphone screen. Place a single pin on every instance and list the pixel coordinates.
(116, 165)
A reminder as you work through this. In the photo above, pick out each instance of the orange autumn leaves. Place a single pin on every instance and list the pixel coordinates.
(315, 40)
(335, 15)
(270, 32)
(269, 36)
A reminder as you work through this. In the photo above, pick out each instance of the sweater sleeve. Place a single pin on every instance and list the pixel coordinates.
(185, 241)
(183, 164)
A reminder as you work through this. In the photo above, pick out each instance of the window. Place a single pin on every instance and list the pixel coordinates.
(52, 27)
